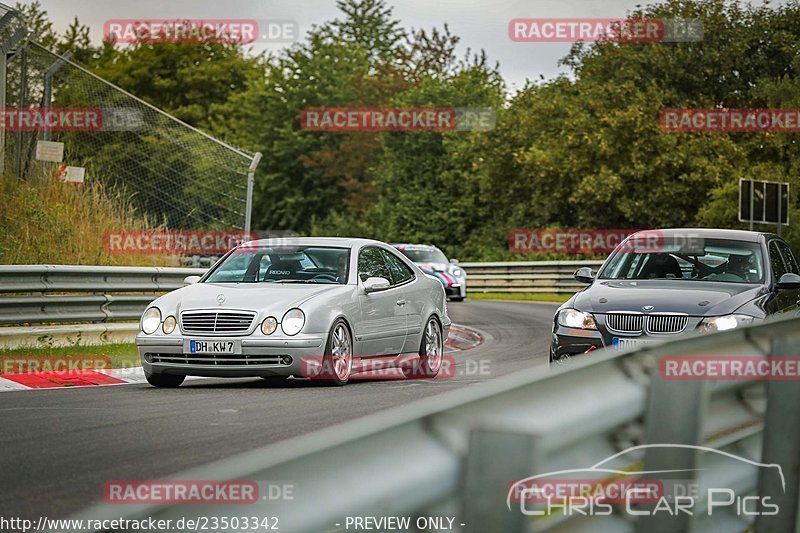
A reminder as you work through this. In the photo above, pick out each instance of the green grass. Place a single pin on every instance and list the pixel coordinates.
(520, 296)
(121, 355)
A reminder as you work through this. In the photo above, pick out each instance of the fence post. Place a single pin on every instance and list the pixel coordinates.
(248, 211)
(47, 97)
(781, 446)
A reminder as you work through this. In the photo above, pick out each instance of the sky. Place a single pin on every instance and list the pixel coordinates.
(481, 24)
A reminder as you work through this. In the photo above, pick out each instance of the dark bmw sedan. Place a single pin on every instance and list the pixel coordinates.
(660, 283)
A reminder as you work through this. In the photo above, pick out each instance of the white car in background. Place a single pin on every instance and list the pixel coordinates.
(432, 261)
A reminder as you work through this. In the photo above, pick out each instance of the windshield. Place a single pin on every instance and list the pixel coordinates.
(296, 264)
(714, 260)
(424, 256)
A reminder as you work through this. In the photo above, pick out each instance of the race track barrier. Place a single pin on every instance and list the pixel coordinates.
(458, 454)
(61, 294)
(525, 276)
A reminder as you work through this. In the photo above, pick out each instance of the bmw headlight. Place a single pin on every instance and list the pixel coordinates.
(722, 323)
(572, 318)
(293, 321)
(151, 319)
(169, 325)
(269, 325)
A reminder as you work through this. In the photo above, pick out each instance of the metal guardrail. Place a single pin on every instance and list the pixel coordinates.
(459, 455)
(38, 294)
(43, 294)
(525, 276)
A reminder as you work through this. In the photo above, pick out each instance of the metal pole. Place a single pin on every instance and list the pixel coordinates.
(781, 447)
(23, 89)
(752, 203)
(48, 88)
(248, 210)
(780, 207)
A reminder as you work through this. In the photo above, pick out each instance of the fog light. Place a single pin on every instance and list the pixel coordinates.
(286, 360)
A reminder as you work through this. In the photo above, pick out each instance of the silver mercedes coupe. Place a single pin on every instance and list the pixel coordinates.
(322, 308)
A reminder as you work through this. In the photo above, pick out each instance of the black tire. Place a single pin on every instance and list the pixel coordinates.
(339, 337)
(164, 381)
(428, 365)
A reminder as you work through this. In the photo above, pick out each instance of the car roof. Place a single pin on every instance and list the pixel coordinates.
(709, 233)
(404, 246)
(343, 242)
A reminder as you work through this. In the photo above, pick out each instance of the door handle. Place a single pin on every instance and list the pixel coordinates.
(401, 302)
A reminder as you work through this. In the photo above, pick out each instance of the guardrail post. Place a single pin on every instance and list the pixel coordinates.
(495, 460)
(675, 415)
(781, 446)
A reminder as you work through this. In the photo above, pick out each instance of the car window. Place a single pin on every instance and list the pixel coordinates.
(372, 264)
(788, 257)
(776, 261)
(400, 272)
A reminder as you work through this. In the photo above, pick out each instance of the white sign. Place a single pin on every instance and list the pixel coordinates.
(73, 174)
(49, 151)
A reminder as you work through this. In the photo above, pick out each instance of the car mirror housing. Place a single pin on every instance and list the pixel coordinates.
(584, 275)
(376, 284)
(191, 280)
(788, 281)
(454, 261)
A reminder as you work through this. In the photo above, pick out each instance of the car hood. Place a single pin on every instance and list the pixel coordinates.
(696, 298)
(436, 267)
(269, 297)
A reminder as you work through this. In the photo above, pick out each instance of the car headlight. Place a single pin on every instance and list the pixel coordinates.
(269, 325)
(169, 325)
(151, 319)
(457, 272)
(572, 318)
(722, 323)
(293, 321)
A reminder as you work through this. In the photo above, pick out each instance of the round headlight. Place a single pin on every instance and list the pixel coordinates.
(293, 321)
(269, 325)
(169, 325)
(151, 319)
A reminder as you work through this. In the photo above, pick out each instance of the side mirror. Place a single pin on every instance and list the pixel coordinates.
(788, 281)
(584, 275)
(454, 261)
(376, 284)
(191, 280)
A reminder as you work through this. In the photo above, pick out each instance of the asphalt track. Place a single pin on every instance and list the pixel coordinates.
(59, 447)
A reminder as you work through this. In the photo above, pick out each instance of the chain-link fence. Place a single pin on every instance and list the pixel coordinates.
(173, 174)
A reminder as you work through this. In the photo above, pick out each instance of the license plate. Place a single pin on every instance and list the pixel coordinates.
(623, 344)
(212, 346)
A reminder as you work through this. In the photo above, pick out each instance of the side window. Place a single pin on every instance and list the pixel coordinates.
(776, 261)
(371, 264)
(788, 257)
(400, 272)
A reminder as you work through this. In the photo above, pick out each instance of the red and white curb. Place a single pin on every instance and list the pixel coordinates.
(73, 379)
(460, 338)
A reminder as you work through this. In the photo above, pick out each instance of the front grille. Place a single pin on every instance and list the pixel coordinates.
(217, 359)
(655, 323)
(659, 324)
(625, 322)
(217, 322)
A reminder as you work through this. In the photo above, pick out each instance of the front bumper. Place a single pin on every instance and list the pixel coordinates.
(260, 357)
(569, 341)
